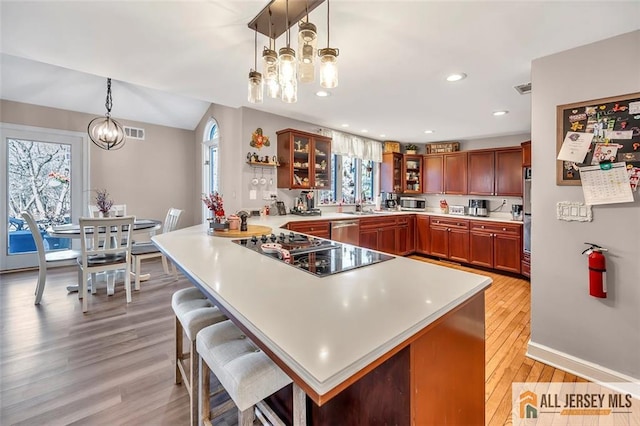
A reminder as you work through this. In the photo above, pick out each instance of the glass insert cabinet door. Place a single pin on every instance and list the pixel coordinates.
(305, 160)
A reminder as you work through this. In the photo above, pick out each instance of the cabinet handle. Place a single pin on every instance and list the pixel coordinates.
(504, 229)
(482, 226)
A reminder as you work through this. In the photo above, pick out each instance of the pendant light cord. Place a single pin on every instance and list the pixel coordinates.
(255, 48)
(288, 27)
(271, 39)
(109, 102)
(328, 23)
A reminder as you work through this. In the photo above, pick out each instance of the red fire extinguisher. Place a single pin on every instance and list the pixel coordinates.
(597, 270)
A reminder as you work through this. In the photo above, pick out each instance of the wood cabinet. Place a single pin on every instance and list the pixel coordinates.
(378, 234)
(391, 176)
(405, 235)
(305, 160)
(495, 172)
(433, 173)
(391, 234)
(412, 174)
(526, 264)
(317, 228)
(526, 153)
(423, 241)
(449, 238)
(508, 172)
(495, 245)
(455, 173)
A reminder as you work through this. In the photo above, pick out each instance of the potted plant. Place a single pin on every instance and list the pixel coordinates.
(103, 202)
(411, 148)
(215, 204)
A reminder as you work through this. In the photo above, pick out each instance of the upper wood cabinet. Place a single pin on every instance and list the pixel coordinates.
(305, 160)
(526, 154)
(433, 173)
(412, 174)
(481, 172)
(455, 173)
(508, 178)
(495, 172)
(391, 176)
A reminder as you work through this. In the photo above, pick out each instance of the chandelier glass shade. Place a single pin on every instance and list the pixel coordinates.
(255, 85)
(105, 132)
(282, 72)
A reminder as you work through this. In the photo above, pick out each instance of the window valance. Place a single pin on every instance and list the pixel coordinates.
(354, 146)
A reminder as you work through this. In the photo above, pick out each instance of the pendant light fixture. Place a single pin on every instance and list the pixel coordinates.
(328, 62)
(270, 65)
(105, 132)
(255, 78)
(288, 67)
(307, 39)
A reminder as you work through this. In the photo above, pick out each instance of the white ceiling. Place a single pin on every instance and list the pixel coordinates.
(176, 57)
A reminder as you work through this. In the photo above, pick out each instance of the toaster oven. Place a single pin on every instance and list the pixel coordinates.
(413, 203)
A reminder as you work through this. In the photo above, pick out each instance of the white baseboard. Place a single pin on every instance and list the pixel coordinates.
(581, 368)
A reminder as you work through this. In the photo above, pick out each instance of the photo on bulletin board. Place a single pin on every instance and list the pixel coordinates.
(611, 129)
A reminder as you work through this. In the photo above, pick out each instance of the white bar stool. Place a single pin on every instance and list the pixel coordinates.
(193, 312)
(246, 373)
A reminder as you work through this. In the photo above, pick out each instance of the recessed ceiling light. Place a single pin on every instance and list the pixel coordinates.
(457, 77)
(498, 113)
(428, 131)
(383, 135)
(345, 125)
(323, 93)
(364, 131)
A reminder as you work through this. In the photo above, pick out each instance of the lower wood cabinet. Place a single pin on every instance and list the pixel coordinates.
(496, 245)
(317, 228)
(423, 241)
(405, 235)
(391, 234)
(526, 264)
(449, 238)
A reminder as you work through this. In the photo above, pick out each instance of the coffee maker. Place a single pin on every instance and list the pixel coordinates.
(305, 204)
(389, 200)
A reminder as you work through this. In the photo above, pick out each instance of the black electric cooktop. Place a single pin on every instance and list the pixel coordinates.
(313, 255)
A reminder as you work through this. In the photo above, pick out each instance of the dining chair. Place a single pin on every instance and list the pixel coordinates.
(106, 246)
(148, 250)
(45, 258)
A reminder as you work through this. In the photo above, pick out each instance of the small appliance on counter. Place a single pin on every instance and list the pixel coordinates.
(478, 208)
(516, 211)
(389, 200)
(413, 204)
(304, 205)
(458, 210)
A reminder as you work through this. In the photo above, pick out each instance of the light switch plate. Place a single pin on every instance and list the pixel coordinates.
(574, 211)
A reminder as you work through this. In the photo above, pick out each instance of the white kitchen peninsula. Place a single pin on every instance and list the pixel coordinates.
(397, 342)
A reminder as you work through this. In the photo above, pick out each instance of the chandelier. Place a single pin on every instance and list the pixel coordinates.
(105, 132)
(284, 69)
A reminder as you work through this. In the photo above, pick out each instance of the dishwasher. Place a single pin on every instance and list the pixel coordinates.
(346, 231)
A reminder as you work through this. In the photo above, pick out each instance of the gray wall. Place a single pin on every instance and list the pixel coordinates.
(564, 318)
(148, 176)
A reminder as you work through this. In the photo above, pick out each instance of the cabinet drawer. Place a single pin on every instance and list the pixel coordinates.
(496, 228)
(310, 227)
(378, 222)
(450, 223)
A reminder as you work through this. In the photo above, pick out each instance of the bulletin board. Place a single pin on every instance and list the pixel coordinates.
(615, 122)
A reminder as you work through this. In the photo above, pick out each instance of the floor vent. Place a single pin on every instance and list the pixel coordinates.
(134, 133)
(524, 89)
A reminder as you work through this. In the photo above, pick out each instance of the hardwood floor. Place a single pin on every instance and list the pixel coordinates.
(113, 365)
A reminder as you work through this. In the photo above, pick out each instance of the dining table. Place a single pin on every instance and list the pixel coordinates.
(72, 230)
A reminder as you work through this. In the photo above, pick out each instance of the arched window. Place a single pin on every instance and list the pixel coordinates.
(211, 159)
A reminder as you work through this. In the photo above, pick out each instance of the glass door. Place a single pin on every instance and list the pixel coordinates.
(44, 173)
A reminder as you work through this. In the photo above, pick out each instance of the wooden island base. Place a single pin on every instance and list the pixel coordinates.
(434, 378)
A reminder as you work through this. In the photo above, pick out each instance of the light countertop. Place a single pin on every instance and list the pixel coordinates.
(324, 329)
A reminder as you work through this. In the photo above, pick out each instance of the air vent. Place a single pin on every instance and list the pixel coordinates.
(134, 133)
(524, 89)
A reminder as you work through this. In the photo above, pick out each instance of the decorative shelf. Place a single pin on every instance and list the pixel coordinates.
(261, 164)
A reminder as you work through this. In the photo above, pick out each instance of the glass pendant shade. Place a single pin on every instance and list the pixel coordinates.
(255, 87)
(307, 41)
(105, 132)
(288, 74)
(328, 67)
(270, 72)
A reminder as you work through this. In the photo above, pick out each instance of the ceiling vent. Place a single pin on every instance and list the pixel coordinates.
(134, 133)
(524, 89)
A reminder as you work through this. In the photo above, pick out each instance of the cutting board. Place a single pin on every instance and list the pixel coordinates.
(252, 230)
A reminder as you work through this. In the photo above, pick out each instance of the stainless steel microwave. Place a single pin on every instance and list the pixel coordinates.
(413, 203)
